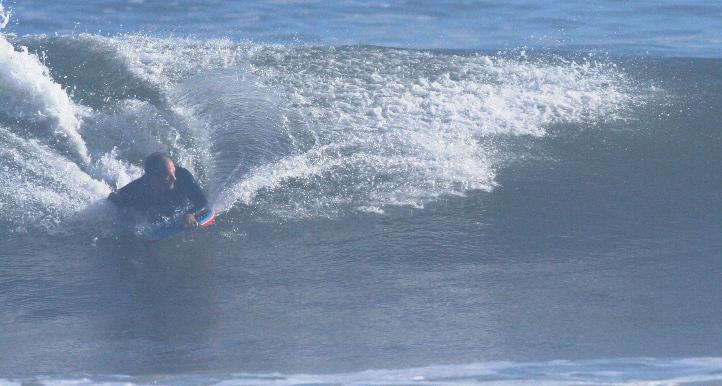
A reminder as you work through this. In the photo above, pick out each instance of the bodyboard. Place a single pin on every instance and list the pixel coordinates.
(173, 226)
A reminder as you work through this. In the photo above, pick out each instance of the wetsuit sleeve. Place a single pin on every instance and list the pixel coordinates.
(124, 196)
(191, 189)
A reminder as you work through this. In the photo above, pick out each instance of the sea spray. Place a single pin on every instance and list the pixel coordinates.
(322, 131)
(378, 126)
(241, 125)
(396, 127)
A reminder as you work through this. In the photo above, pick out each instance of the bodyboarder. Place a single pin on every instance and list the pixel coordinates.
(164, 190)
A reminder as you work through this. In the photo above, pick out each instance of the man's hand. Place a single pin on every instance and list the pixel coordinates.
(190, 221)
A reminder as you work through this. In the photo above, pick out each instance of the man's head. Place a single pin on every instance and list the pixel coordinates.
(160, 170)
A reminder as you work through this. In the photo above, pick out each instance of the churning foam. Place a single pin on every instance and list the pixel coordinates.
(40, 187)
(378, 126)
(388, 127)
(29, 94)
(404, 127)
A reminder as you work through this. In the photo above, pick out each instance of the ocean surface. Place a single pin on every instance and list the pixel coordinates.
(410, 193)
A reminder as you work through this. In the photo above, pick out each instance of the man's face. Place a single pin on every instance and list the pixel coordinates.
(165, 180)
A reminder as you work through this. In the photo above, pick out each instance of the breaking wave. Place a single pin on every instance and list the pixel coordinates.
(280, 131)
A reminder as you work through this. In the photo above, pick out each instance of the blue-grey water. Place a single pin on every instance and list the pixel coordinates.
(435, 193)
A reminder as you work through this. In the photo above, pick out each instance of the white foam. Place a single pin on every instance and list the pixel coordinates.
(40, 187)
(120, 137)
(29, 93)
(4, 16)
(478, 95)
(403, 128)
(163, 62)
(388, 127)
(114, 171)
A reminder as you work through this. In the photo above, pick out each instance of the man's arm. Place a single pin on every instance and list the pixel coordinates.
(126, 196)
(191, 189)
(194, 193)
(119, 197)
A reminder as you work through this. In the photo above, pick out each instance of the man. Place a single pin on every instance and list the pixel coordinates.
(164, 190)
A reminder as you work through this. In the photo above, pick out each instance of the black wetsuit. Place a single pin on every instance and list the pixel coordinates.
(186, 195)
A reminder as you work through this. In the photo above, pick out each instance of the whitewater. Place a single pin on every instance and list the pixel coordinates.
(390, 213)
(360, 136)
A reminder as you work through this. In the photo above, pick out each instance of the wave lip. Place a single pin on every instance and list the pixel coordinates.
(300, 132)
(41, 188)
(30, 94)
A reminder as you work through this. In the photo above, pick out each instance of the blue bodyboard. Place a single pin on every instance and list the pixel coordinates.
(173, 226)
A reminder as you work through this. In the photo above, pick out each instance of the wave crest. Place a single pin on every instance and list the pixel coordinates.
(30, 94)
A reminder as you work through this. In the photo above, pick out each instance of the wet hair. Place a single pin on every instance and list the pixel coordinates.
(155, 163)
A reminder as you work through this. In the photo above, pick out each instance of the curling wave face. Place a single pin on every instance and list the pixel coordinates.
(279, 131)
